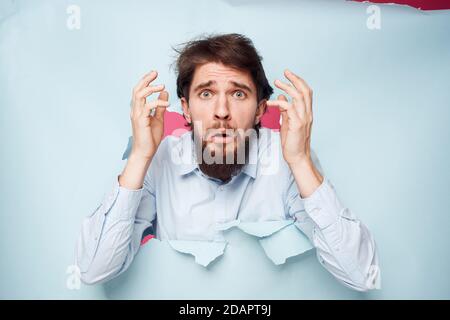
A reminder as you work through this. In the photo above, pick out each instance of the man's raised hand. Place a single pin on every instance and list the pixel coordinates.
(147, 125)
(148, 130)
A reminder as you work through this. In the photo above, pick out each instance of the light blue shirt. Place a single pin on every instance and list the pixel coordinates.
(181, 203)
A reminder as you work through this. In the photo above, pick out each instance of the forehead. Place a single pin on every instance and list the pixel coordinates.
(221, 74)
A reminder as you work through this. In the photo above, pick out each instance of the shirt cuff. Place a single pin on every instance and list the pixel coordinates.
(121, 203)
(323, 205)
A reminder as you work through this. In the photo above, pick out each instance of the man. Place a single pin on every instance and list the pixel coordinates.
(226, 168)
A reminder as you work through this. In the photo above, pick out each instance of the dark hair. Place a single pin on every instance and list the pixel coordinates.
(233, 50)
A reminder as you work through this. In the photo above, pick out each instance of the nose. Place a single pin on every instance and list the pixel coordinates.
(222, 110)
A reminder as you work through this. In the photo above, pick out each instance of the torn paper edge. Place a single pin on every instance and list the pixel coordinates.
(199, 249)
(272, 245)
(205, 251)
(404, 5)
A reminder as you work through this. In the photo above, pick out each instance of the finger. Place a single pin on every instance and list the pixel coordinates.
(145, 80)
(290, 90)
(284, 124)
(145, 92)
(298, 101)
(287, 107)
(301, 86)
(138, 102)
(163, 95)
(283, 115)
(148, 107)
(283, 105)
(282, 97)
(159, 113)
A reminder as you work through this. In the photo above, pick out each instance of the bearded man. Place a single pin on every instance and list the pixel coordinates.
(226, 168)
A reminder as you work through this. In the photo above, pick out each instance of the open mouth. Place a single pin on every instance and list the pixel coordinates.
(223, 136)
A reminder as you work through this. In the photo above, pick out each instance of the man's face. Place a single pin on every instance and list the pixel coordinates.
(221, 101)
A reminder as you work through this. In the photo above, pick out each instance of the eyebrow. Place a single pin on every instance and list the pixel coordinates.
(212, 82)
(204, 85)
(241, 86)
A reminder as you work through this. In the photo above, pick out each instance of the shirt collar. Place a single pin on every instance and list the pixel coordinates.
(188, 163)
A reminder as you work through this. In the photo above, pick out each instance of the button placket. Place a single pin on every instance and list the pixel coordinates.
(221, 207)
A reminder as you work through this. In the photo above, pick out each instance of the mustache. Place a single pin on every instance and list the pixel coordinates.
(220, 127)
(223, 125)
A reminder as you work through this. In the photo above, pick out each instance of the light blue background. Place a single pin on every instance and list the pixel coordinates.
(381, 113)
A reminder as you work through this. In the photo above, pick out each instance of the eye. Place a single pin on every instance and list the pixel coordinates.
(205, 94)
(240, 94)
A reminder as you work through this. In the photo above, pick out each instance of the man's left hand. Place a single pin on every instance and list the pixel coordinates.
(295, 132)
(297, 118)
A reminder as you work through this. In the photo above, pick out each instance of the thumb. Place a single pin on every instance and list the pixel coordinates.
(284, 117)
(164, 95)
(159, 112)
(282, 97)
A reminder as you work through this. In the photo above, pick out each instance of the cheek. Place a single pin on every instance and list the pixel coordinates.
(200, 106)
(201, 117)
(244, 115)
(201, 112)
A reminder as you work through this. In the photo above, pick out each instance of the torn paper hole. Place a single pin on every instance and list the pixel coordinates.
(279, 240)
(242, 271)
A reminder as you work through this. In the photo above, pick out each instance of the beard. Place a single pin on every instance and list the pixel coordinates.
(225, 163)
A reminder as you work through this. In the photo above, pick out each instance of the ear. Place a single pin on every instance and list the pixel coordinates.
(262, 106)
(186, 111)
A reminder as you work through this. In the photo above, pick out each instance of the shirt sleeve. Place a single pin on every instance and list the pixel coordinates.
(110, 237)
(344, 245)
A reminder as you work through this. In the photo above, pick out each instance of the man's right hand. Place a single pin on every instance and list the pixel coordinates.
(148, 130)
